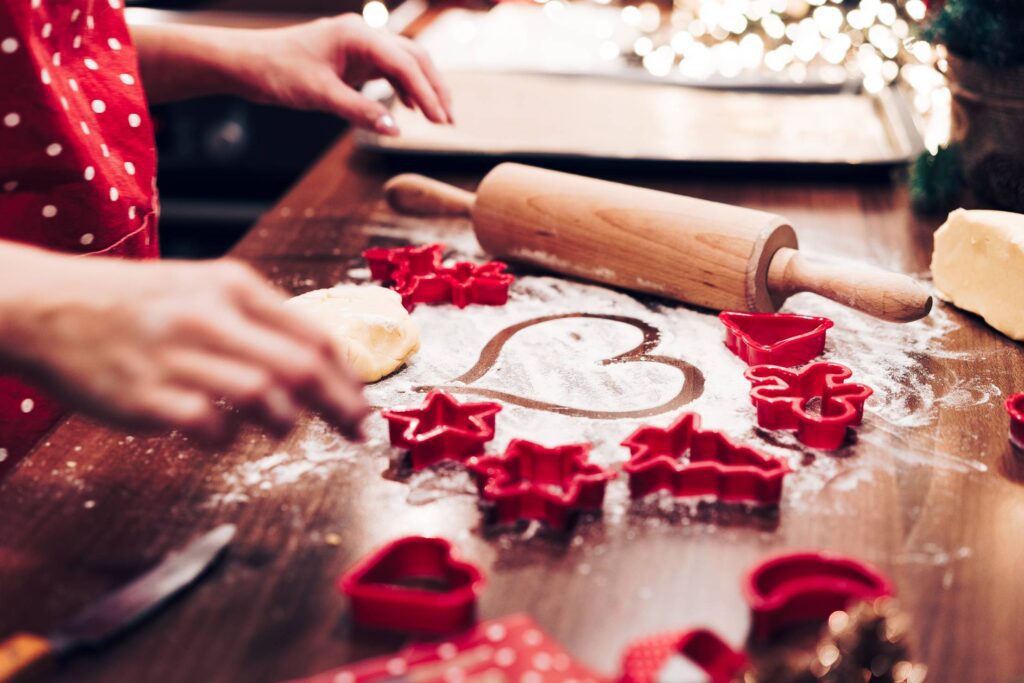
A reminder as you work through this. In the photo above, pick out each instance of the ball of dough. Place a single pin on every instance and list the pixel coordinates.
(369, 325)
(978, 265)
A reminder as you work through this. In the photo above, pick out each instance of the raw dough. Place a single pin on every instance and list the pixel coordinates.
(978, 265)
(369, 325)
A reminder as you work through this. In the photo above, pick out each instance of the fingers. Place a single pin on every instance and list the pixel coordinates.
(358, 108)
(406, 74)
(430, 71)
(188, 410)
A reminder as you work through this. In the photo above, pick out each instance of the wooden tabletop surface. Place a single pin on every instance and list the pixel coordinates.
(91, 507)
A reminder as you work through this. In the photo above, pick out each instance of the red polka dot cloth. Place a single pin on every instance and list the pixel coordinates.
(77, 157)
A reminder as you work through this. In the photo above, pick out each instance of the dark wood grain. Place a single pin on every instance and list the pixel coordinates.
(91, 508)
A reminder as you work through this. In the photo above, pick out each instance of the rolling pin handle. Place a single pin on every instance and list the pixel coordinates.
(418, 195)
(883, 294)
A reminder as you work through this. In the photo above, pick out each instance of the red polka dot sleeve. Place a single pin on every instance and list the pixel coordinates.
(77, 157)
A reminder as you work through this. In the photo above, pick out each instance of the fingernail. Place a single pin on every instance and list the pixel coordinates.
(386, 125)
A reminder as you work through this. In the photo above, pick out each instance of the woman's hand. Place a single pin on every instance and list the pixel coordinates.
(199, 347)
(320, 65)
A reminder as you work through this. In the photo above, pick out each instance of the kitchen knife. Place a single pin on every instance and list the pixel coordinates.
(23, 653)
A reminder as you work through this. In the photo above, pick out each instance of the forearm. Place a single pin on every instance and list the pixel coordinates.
(182, 61)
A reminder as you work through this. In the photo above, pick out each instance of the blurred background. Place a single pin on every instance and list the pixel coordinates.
(223, 162)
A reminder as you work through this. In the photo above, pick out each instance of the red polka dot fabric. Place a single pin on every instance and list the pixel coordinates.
(77, 156)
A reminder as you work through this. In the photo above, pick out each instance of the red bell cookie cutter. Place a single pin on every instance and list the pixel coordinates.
(441, 429)
(682, 656)
(462, 284)
(800, 587)
(533, 482)
(1015, 407)
(783, 400)
(774, 338)
(414, 584)
(686, 461)
(384, 263)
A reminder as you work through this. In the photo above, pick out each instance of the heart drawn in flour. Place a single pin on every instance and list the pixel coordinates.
(691, 387)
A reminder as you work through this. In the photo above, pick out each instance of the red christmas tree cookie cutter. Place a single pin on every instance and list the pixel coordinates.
(705, 657)
(783, 400)
(1015, 408)
(442, 429)
(414, 584)
(716, 467)
(774, 338)
(533, 482)
(807, 587)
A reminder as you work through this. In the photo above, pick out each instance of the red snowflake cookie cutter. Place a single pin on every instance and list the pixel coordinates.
(783, 400)
(715, 467)
(807, 586)
(441, 429)
(1015, 408)
(414, 584)
(774, 338)
(534, 482)
(706, 657)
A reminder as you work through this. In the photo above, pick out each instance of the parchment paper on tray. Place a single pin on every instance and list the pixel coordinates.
(545, 115)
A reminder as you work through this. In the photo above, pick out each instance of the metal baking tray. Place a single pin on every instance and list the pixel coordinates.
(537, 116)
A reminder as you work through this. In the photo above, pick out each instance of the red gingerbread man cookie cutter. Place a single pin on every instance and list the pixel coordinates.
(783, 399)
(774, 338)
(533, 482)
(715, 467)
(442, 429)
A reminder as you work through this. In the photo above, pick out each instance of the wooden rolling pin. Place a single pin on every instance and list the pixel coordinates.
(704, 253)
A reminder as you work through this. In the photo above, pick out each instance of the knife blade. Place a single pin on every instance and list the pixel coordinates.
(118, 611)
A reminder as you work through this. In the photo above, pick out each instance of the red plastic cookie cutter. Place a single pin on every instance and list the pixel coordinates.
(533, 482)
(807, 586)
(774, 338)
(696, 655)
(461, 285)
(442, 429)
(414, 584)
(783, 400)
(1015, 407)
(385, 263)
(686, 461)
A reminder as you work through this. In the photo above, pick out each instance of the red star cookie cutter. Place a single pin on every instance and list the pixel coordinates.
(807, 586)
(1015, 407)
(441, 429)
(418, 275)
(783, 399)
(414, 584)
(533, 482)
(693, 655)
(715, 466)
(774, 338)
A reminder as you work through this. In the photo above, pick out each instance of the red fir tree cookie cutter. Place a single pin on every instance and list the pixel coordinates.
(441, 429)
(415, 584)
(774, 338)
(807, 587)
(695, 655)
(533, 482)
(1015, 407)
(715, 467)
(783, 400)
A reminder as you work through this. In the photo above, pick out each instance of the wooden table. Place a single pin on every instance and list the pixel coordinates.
(92, 508)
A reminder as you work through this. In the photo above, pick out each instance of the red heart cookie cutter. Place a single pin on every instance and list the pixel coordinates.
(774, 338)
(645, 661)
(715, 467)
(808, 586)
(441, 429)
(414, 584)
(1015, 407)
(533, 482)
(783, 400)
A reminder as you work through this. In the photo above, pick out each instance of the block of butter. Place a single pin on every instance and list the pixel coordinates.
(978, 265)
